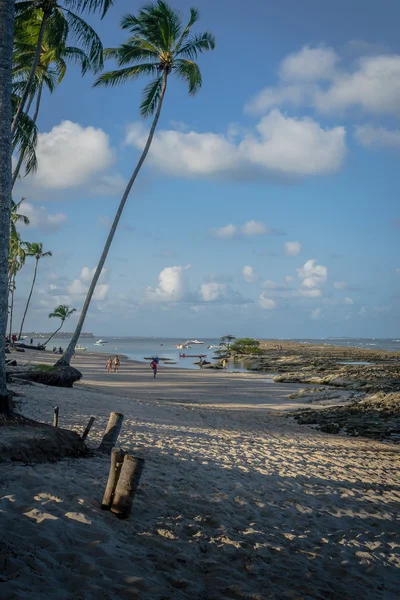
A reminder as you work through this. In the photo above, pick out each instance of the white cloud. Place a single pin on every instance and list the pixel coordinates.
(313, 275)
(288, 278)
(249, 274)
(39, 218)
(225, 233)
(255, 228)
(310, 293)
(70, 155)
(316, 314)
(311, 77)
(248, 229)
(348, 300)
(340, 285)
(212, 291)
(292, 248)
(266, 303)
(279, 147)
(270, 285)
(80, 286)
(377, 137)
(171, 285)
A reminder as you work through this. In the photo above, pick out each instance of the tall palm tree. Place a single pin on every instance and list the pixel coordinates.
(59, 20)
(61, 312)
(158, 37)
(50, 70)
(6, 47)
(24, 138)
(16, 261)
(36, 250)
(16, 216)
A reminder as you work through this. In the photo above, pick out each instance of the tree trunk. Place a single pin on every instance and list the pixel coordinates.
(117, 457)
(29, 298)
(127, 485)
(111, 433)
(68, 354)
(35, 63)
(12, 308)
(6, 49)
(56, 331)
(34, 119)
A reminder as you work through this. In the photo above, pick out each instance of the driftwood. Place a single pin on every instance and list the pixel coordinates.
(111, 433)
(62, 376)
(55, 418)
(87, 429)
(117, 457)
(127, 485)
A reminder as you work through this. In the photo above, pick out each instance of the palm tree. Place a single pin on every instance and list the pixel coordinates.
(16, 216)
(158, 37)
(50, 70)
(16, 261)
(6, 48)
(61, 312)
(25, 138)
(36, 250)
(59, 20)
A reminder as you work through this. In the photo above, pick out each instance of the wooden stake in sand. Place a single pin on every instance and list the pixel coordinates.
(88, 428)
(117, 457)
(55, 418)
(127, 485)
(111, 433)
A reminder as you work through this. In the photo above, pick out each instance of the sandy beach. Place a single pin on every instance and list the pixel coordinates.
(236, 501)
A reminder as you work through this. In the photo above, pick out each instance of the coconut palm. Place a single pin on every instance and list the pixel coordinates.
(158, 37)
(25, 138)
(6, 47)
(36, 250)
(50, 70)
(16, 216)
(16, 261)
(59, 20)
(61, 312)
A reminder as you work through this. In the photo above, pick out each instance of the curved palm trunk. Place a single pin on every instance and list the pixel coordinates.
(68, 354)
(35, 63)
(6, 48)
(56, 331)
(35, 116)
(11, 309)
(29, 298)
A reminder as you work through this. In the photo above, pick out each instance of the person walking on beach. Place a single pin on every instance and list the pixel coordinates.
(116, 363)
(109, 364)
(224, 364)
(154, 365)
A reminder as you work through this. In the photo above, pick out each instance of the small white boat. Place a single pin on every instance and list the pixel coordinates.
(99, 343)
(81, 348)
(195, 342)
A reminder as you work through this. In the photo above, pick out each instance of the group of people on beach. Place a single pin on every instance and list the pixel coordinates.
(113, 364)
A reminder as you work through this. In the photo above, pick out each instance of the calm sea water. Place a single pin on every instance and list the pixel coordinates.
(137, 348)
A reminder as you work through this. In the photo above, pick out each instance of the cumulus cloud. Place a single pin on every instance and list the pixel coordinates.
(70, 155)
(80, 286)
(266, 303)
(312, 275)
(39, 218)
(279, 147)
(377, 137)
(212, 291)
(316, 314)
(249, 274)
(171, 285)
(248, 229)
(312, 77)
(292, 248)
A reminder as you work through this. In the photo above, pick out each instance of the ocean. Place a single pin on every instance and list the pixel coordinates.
(138, 348)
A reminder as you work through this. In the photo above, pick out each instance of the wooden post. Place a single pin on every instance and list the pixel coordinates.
(117, 457)
(55, 418)
(88, 428)
(127, 485)
(111, 433)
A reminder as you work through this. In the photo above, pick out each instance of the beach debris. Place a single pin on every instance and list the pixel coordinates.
(111, 433)
(117, 457)
(87, 429)
(127, 485)
(55, 417)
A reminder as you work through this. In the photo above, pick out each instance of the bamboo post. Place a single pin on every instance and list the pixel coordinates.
(55, 418)
(127, 485)
(117, 457)
(111, 433)
(88, 428)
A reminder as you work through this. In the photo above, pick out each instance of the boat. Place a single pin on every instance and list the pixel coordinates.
(192, 355)
(182, 346)
(99, 343)
(81, 348)
(195, 342)
(211, 347)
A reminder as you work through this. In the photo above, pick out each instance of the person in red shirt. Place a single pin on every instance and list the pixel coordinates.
(153, 365)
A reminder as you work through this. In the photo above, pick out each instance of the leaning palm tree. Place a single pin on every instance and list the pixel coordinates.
(36, 250)
(158, 37)
(61, 312)
(16, 260)
(58, 18)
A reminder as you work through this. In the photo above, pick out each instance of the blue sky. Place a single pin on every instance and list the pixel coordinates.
(268, 204)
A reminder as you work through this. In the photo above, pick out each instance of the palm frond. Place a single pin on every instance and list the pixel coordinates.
(90, 6)
(189, 72)
(151, 96)
(112, 78)
(25, 139)
(78, 56)
(130, 52)
(87, 38)
(197, 44)
(194, 16)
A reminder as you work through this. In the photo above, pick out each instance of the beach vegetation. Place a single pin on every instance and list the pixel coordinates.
(62, 312)
(35, 250)
(246, 346)
(159, 45)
